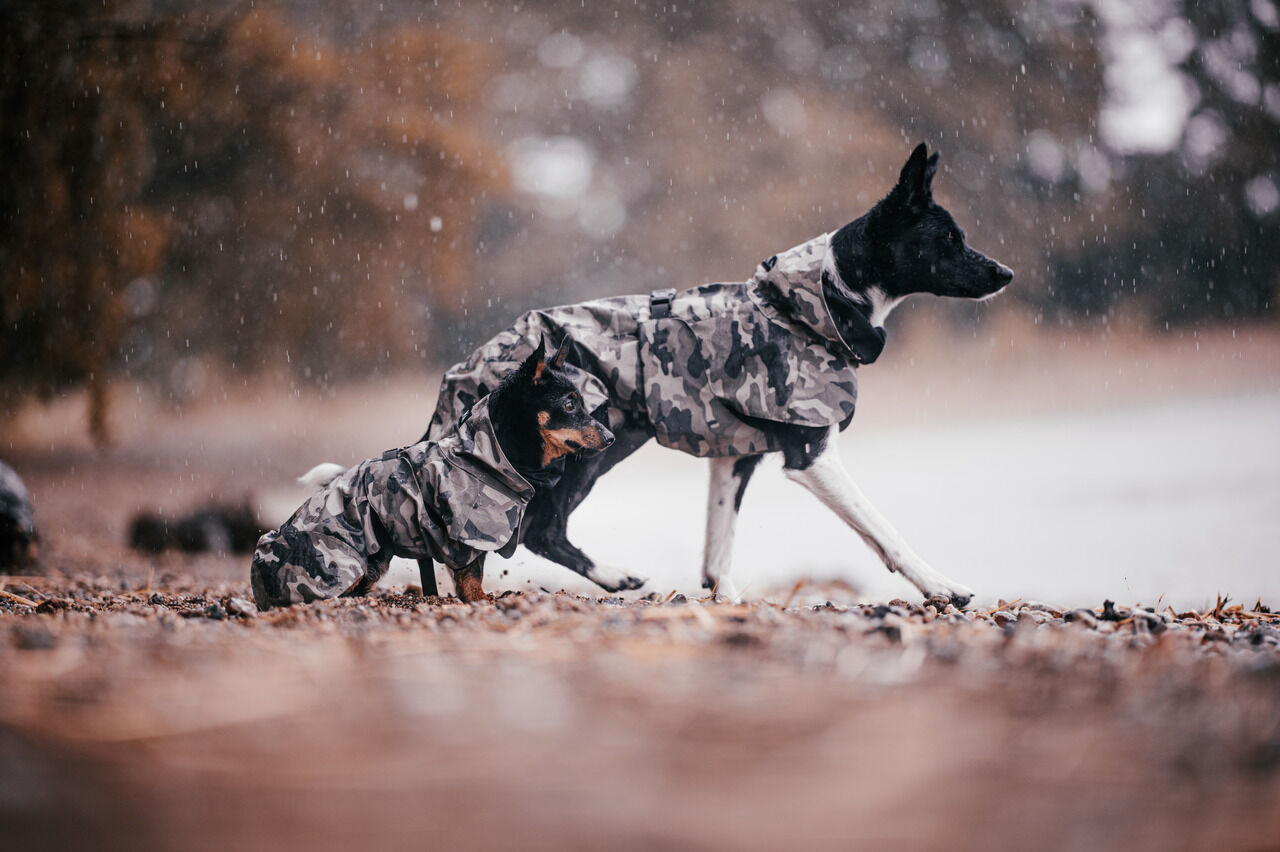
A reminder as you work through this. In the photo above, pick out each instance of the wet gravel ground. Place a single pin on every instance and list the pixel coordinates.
(176, 715)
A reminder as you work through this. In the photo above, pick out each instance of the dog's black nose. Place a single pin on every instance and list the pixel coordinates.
(1003, 274)
(606, 439)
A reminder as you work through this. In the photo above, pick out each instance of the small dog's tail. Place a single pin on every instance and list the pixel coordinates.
(321, 475)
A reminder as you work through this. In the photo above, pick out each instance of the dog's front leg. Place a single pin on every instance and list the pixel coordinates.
(826, 478)
(469, 581)
(729, 477)
(427, 568)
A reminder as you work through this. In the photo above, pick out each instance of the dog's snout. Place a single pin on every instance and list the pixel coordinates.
(1003, 274)
(606, 438)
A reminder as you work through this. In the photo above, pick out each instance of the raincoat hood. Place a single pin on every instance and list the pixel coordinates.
(789, 289)
(452, 500)
(472, 463)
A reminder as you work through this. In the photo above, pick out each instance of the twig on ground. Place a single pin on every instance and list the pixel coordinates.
(1003, 606)
(18, 599)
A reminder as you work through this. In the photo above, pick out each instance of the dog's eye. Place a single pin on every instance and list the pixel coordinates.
(569, 404)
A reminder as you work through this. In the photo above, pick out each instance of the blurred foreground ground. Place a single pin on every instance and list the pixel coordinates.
(1059, 468)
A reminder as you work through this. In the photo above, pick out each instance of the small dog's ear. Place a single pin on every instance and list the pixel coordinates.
(557, 360)
(913, 187)
(534, 366)
(930, 169)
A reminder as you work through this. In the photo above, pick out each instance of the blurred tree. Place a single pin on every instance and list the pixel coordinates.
(203, 181)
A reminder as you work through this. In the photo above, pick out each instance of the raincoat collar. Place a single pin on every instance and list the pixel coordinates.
(795, 279)
(477, 443)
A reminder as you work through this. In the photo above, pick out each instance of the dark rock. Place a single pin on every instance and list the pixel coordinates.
(1109, 612)
(215, 611)
(891, 631)
(1081, 616)
(34, 638)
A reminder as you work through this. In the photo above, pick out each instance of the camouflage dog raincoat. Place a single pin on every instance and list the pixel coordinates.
(452, 500)
(698, 365)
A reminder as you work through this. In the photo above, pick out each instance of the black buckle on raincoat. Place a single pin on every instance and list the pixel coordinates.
(660, 303)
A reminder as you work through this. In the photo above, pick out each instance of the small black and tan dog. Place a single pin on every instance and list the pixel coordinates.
(452, 500)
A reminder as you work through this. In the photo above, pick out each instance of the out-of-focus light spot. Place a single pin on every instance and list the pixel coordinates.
(411, 201)
(784, 111)
(436, 224)
(1045, 157)
(607, 79)
(1148, 100)
(1202, 144)
(560, 50)
(1262, 195)
(552, 166)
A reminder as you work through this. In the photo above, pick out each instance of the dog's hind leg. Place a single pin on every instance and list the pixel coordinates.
(547, 522)
(821, 472)
(729, 478)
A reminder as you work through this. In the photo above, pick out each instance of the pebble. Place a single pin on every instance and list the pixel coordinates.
(215, 611)
(939, 602)
(242, 608)
(1081, 616)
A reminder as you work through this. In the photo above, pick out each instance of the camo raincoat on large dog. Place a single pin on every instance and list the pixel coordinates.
(698, 365)
(452, 500)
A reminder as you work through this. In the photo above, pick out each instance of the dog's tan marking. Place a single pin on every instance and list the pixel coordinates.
(556, 442)
(470, 584)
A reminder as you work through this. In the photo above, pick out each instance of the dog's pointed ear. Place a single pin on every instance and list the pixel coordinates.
(536, 364)
(913, 187)
(557, 360)
(930, 169)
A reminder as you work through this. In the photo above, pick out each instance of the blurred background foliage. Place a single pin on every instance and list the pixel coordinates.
(327, 190)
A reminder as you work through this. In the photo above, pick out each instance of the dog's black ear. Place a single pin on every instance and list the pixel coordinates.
(930, 169)
(913, 187)
(533, 367)
(557, 360)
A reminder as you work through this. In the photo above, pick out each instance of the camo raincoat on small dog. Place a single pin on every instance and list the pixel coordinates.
(698, 365)
(453, 500)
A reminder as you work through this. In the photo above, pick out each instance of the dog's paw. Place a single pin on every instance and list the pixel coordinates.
(958, 595)
(613, 580)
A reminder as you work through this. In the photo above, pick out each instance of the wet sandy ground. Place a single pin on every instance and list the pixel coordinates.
(138, 710)
(179, 718)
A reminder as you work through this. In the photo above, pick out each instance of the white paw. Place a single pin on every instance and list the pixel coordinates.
(724, 589)
(959, 593)
(613, 579)
(931, 583)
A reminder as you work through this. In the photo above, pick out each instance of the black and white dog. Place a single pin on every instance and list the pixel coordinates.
(775, 376)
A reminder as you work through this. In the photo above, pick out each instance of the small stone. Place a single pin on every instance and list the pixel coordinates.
(1081, 616)
(891, 631)
(215, 611)
(1003, 617)
(242, 608)
(34, 639)
(939, 602)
